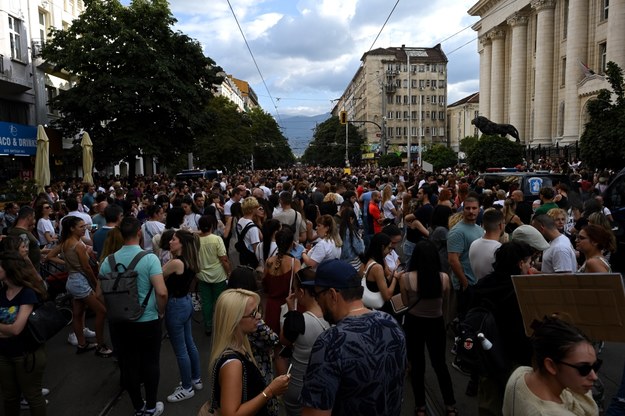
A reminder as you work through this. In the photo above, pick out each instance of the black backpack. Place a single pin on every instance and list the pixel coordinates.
(479, 348)
(246, 256)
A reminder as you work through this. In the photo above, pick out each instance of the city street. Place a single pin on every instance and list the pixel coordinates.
(88, 385)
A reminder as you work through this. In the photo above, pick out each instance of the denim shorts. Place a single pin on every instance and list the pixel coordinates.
(78, 286)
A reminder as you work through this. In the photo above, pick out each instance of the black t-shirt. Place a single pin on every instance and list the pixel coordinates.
(178, 284)
(15, 346)
(424, 215)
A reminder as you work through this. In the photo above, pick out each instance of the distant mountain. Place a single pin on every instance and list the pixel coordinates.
(299, 130)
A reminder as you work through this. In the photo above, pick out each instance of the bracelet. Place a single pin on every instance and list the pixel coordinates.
(265, 395)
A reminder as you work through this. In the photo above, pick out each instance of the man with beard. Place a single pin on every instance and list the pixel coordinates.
(358, 366)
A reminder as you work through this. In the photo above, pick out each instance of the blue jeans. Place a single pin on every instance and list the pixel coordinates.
(178, 323)
(408, 249)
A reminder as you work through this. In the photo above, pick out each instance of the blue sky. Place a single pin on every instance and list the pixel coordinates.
(309, 50)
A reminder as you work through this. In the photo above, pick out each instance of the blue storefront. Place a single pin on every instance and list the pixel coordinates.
(18, 147)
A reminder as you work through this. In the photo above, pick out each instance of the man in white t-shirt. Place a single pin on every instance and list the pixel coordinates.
(235, 197)
(482, 250)
(560, 256)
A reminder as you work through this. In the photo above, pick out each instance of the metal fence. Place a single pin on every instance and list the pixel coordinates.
(568, 153)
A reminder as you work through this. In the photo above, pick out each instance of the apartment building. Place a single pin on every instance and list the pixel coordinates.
(398, 99)
(542, 61)
(459, 116)
(26, 81)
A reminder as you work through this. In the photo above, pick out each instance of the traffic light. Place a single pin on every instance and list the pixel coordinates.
(343, 117)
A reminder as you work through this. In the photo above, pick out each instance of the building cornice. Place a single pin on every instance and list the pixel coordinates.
(485, 39)
(496, 33)
(482, 7)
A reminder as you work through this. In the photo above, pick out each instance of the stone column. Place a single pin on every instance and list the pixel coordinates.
(616, 33)
(497, 74)
(543, 85)
(576, 52)
(518, 73)
(485, 65)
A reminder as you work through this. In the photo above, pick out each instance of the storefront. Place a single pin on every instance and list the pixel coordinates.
(18, 147)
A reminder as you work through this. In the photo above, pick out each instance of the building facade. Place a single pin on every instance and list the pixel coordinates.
(398, 99)
(459, 116)
(541, 61)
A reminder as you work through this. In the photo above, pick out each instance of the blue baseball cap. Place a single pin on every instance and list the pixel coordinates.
(336, 274)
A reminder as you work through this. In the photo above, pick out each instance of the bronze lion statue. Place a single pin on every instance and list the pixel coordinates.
(488, 127)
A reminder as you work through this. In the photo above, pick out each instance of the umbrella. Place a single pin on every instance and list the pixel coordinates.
(42, 159)
(87, 158)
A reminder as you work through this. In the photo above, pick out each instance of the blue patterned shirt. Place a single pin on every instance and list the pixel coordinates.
(357, 367)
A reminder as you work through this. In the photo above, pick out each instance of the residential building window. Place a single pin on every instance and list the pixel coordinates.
(565, 19)
(389, 131)
(413, 99)
(398, 114)
(427, 67)
(414, 115)
(421, 68)
(413, 83)
(389, 115)
(405, 99)
(405, 83)
(51, 92)
(398, 83)
(441, 99)
(441, 115)
(433, 67)
(389, 99)
(433, 115)
(406, 115)
(15, 37)
(441, 83)
(43, 25)
(422, 115)
(413, 68)
(405, 131)
(413, 131)
(397, 131)
(605, 5)
(421, 83)
(398, 99)
(433, 99)
(603, 53)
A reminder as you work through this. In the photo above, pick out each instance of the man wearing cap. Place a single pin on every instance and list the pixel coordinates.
(532, 237)
(358, 366)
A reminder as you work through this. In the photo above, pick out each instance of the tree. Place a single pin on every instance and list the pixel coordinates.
(390, 160)
(468, 144)
(495, 151)
(139, 88)
(602, 144)
(328, 145)
(440, 156)
(271, 148)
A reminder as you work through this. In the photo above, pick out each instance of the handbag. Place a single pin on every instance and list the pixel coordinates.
(370, 299)
(46, 321)
(284, 308)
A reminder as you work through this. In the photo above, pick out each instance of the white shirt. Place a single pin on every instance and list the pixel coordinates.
(559, 257)
(44, 225)
(482, 256)
(85, 217)
(149, 230)
(252, 236)
(324, 250)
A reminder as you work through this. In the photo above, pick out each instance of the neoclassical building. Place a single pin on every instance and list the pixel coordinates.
(459, 116)
(541, 61)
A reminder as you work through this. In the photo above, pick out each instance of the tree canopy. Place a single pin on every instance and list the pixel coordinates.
(138, 86)
(602, 144)
(327, 147)
(495, 151)
(440, 156)
(234, 137)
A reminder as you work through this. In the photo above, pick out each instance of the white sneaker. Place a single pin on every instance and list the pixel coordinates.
(71, 338)
(88, 333)
(180, 394)
(157, 411)
(197, 384)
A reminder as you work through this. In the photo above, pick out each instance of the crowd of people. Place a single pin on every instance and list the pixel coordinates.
(295, 271)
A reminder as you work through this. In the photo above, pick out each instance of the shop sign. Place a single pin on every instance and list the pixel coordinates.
(18, 139)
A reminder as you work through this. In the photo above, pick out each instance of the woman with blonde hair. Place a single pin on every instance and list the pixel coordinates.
(247, 230)
(559, 217)
(329, 245)
(238, 385)
(388, 206)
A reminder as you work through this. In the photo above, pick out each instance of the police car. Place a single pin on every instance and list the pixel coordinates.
(529, 182)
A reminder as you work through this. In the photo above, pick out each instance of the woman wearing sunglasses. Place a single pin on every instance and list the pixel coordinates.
(565, 368)
(238, 385)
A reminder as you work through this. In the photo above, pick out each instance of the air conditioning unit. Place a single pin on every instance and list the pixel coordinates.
(421, 88)
(433, 88)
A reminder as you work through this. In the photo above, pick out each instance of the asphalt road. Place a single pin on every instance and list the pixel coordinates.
(86, 385)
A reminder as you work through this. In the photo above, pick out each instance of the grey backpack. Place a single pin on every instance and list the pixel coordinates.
(119, 288)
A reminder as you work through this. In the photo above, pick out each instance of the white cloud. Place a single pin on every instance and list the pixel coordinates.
(308, 50)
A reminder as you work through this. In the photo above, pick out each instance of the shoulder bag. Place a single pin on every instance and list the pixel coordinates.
(371, 299)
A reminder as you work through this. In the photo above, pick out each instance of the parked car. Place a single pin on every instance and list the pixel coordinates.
(528, 182)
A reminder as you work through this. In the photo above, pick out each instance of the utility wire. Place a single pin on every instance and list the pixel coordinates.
(383, 26)
(255, 63)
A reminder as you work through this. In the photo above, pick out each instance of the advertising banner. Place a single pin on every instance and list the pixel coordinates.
(18, 139)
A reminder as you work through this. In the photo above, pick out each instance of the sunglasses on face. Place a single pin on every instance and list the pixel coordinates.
(256, 313)
(584, 369)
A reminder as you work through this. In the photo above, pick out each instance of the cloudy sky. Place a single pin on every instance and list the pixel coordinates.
(309, 50)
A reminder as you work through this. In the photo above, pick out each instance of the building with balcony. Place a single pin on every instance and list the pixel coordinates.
(26, 81)
(541, 61)
(459, 116)
(250, 99)
(398, 99)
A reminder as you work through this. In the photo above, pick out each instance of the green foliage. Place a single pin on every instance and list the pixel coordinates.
(138, 86)
(440, 156)
(390, 160)
(602, 145)
(468, 144)
(495, 151)
(271, 147)
(328, 145)
(20, 190)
